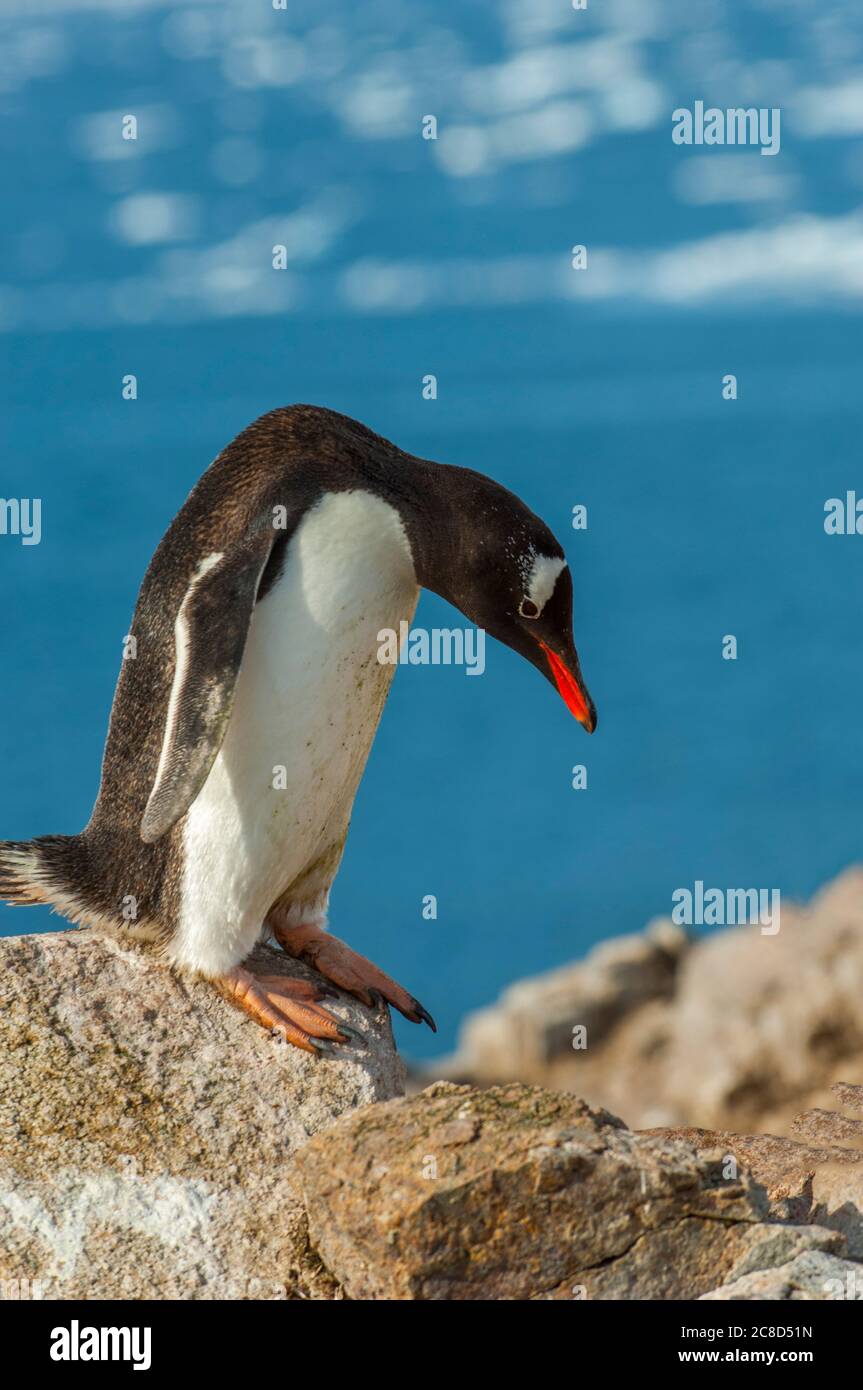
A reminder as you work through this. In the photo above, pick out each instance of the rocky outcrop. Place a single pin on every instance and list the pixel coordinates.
(520, 1193)
(533, 1024)
(736, 1030)
(148, 1130)
(810, 1276)
(820, 1182)
(154, 1143)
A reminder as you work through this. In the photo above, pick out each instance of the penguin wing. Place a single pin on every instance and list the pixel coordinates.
(210, 634)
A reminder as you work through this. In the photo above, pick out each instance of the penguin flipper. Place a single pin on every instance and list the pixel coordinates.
(210, 633)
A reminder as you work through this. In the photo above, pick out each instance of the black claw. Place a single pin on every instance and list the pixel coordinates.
(326, 1047)
(350, 1032)
(424, 1015)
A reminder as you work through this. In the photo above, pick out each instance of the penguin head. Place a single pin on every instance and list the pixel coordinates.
(513, 580)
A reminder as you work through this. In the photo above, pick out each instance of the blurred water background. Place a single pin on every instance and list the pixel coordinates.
(410, 256)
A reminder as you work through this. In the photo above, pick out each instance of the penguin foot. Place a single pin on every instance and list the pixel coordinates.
(349, 970)
(288, 1007)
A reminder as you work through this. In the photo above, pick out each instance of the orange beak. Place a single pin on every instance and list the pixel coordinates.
(571, 689)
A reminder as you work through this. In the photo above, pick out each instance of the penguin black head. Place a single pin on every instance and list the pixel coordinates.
(508, 574)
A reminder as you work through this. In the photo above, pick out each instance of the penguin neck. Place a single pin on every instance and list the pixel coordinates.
(434, 524)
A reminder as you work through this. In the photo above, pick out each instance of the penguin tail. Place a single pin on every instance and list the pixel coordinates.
(38, 871)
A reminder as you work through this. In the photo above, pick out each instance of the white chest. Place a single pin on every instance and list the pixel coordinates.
(309, 697)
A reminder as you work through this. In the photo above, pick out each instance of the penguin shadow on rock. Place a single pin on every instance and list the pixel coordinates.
(252, 690)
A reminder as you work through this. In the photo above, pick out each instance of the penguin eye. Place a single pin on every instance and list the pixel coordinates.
(528, 609)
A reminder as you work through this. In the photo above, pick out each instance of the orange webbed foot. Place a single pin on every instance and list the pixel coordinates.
(288, 1007)
(350, 971)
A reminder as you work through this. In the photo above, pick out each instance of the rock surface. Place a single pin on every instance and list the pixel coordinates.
(810, 1276)
(155, 1143)
(520, 1193)
(820, 1183)
(736, 1030)
(148, 1129)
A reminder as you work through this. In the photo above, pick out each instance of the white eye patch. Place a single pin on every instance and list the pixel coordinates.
(542, 577)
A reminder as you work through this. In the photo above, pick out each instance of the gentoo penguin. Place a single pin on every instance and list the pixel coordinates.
(252, 688)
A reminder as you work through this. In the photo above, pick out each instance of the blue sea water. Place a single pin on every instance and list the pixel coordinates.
(705, 515)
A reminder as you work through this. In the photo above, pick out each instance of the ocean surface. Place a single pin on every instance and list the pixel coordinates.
(705, 516)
